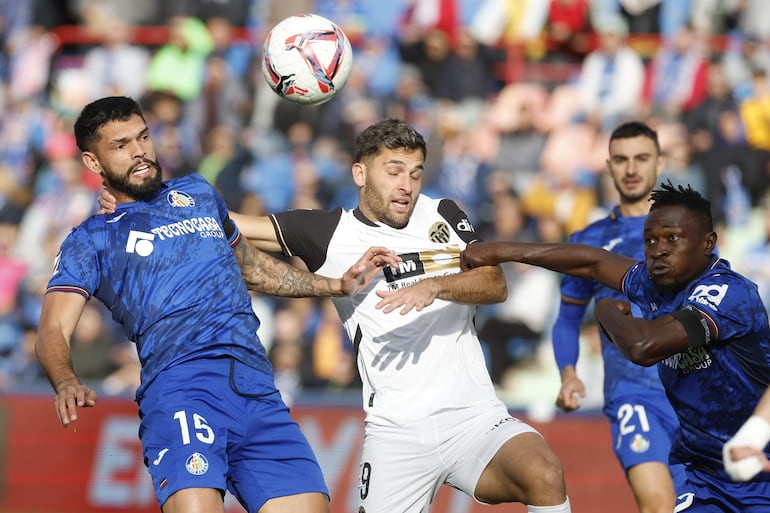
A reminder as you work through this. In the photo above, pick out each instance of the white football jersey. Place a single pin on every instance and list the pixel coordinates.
(415, 364)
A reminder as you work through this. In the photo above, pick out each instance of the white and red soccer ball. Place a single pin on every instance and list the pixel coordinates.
(306, 59)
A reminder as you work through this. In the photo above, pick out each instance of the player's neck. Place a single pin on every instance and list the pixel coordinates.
(635, 209)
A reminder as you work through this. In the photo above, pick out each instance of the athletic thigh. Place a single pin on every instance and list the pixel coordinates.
(474, 436)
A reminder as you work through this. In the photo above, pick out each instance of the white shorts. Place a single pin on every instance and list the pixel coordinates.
(403, 467)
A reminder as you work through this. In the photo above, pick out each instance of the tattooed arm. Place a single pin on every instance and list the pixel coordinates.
(265, 273)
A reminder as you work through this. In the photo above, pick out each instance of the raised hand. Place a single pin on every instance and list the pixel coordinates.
(107, 203)
(361, 273)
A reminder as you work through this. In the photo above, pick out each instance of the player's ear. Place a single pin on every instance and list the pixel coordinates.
(359, 174)
(91, 162)
(711, 242)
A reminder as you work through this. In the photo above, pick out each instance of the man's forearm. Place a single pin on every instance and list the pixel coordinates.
(480, 286)
(54, 358)
(265, 273)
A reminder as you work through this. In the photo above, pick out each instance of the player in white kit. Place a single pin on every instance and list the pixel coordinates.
(432, 415)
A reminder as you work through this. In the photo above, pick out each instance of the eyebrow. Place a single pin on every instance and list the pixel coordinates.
(401, 163)
(121, 140)
(623, 155)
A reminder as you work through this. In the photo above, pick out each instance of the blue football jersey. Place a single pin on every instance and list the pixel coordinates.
(166, 270)
(713, 388)
(622, 235)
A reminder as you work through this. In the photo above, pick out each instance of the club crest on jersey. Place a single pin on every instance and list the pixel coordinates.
(197, 464)
(639, 443)
(180, 199)
(439, 232)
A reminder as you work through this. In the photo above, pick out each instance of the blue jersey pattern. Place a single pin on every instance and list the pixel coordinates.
(713, 388)
(622, 235)
(166, 270)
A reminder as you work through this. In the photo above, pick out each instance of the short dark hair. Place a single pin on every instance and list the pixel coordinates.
(393, 134)
(635, 129)
(669, 195)
(98, 113)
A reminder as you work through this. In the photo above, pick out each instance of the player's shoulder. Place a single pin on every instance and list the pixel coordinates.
(191, 182)
(310, 217)
(721, 272)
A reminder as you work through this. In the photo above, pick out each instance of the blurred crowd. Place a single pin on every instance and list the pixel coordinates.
(516, 99)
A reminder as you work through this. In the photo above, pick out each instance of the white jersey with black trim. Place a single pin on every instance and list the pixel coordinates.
(415, 364)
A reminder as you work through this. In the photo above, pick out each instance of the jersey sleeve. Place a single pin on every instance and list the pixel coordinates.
(232, 232)
(726, 304)
(566, 333)
(306, 234)
(576, 293)
(76, 268)
(458, 220)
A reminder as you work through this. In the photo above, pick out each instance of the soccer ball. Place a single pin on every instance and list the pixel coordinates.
(306, 59)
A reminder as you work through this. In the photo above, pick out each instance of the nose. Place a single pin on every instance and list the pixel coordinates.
(661, 250)
(404, 183)
(139, 150)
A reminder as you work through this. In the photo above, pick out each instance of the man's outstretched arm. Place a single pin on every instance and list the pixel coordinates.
(578, 260)
(265, 273)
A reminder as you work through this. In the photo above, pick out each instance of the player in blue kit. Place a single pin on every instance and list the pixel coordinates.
(166, 264)
(702, 323)
(642, 421)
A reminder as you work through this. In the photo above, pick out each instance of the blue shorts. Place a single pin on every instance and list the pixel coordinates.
(218, 423)
(642, 430)
(699, 491)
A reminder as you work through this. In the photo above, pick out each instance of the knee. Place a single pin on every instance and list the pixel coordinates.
(545, 482)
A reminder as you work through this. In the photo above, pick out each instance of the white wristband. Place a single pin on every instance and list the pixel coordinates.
(755, 432)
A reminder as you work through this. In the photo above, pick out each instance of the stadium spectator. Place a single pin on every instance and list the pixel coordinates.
(428, 52)
(753, 262)
(744, 54)
(154, 307)
(703, 121)
(467, 74)
(676, 77)
(239, 55)
(568, 28)
(611, 77)
(116, 66)
(680, 168)
(177, 66)
(223, 100)
(755, 115)
(702, 323)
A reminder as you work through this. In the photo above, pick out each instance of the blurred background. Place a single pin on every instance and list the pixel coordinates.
(516, 99)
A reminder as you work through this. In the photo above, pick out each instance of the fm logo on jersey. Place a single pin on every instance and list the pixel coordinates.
(180, 199)
(424, 262)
